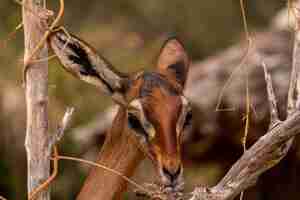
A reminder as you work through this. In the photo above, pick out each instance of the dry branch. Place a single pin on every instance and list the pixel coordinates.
(269, 149)
(38, 142)
(54, 139)
(274, 118)
(37, 137)
(263, 155)
(294, 95)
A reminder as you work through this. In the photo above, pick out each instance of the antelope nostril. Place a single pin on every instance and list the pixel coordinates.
(172, 175)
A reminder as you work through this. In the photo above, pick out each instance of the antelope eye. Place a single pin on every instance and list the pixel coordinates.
(135, 124)
(188, 119)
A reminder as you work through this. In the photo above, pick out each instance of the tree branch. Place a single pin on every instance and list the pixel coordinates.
(274, 119)
(54, 139)
(294, 95)
(270, 148)
(36, 90)
(263, 155)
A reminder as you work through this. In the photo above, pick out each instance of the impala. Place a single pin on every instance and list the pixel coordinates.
(152, 117)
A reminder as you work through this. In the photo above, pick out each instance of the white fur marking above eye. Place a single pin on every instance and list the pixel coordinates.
(136, 104)
(184, 100)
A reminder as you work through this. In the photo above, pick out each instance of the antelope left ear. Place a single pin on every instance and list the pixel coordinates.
(173, 61)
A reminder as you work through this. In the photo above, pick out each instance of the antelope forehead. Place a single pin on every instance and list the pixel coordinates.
(163, 111)
(153, 81)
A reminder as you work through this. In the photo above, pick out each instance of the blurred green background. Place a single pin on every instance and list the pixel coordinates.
(129, 33)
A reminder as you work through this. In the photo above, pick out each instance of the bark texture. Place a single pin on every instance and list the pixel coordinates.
(36, 89)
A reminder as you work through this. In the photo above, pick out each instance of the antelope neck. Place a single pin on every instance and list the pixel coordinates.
(120, 153)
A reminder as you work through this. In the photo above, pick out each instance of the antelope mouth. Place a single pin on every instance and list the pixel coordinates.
(178, 187)
(172, 181)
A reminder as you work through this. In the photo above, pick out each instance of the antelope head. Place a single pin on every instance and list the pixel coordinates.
(157, 112)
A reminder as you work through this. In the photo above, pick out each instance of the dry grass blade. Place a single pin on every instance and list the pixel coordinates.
(248, 103)
(240, 65)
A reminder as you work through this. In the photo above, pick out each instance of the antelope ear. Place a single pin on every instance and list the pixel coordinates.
(173, 60)
(81, 60)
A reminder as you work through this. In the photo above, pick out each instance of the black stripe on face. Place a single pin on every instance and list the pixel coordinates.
(179, 70)
(154, 80)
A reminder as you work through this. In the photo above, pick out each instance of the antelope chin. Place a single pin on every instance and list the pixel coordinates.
(176, 185)
(179, 187)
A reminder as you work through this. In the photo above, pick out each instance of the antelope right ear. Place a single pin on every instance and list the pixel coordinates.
(81, 60)
(173, 60)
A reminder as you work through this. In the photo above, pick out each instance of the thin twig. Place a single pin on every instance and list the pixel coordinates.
(293, 94)
(241, 64)
(247, 116)
(60, 157)
(44, 59)
(271, 97)
(246, 30)
(248, 103)
(55, 138)
(229, 80)
(65, 45)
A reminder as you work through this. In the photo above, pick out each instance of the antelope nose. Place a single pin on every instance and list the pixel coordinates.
(172, 175)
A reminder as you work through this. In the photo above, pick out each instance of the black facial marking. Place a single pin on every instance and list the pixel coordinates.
(179, 71)
(135, 124)
(81, 58)
(154, 80)
(188, 119)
